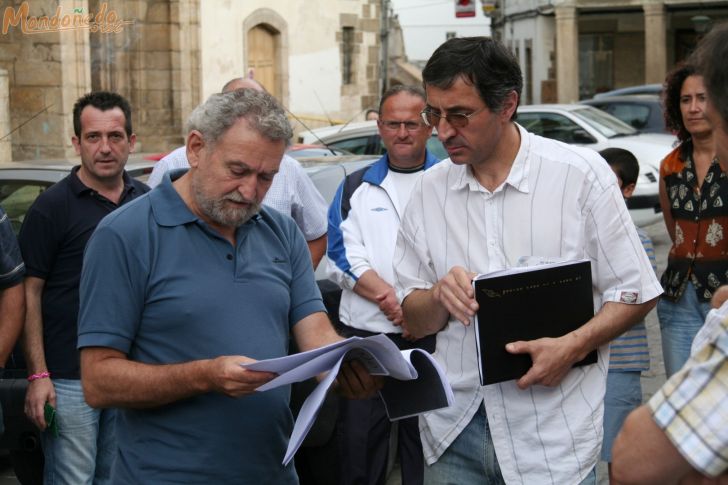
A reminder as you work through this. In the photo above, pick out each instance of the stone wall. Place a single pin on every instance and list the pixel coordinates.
(5, 146)
(154, 63)
(152, 59)
(46, 72)
(364, 90)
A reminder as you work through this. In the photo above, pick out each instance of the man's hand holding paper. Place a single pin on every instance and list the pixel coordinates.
(355, 382)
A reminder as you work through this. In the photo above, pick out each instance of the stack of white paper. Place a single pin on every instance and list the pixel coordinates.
(416, 382)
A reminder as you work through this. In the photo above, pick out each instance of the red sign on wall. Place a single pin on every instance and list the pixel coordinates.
(464, 8)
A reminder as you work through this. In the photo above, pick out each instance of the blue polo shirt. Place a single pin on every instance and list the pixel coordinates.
(163, 287)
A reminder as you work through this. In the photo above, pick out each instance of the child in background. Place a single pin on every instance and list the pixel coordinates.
(628, 353)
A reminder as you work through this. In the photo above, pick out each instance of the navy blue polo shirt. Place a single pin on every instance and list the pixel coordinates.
(163, 287)
(52, 240)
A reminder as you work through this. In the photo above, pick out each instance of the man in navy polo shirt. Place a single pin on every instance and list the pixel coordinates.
(182, 287)
(52, 240)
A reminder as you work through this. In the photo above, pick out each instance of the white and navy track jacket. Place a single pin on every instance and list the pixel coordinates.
(363, 223)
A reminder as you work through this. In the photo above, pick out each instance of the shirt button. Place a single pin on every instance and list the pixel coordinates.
(229, 257)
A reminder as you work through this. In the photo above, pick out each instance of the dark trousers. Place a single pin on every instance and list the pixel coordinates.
(364, 431)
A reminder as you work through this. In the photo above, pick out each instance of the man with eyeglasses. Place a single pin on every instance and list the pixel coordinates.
(363, 223)
(506, 194)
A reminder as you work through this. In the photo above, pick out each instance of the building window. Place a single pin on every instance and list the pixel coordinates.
(450, 35)
(347, 65)
(596, 64)
(528, 85)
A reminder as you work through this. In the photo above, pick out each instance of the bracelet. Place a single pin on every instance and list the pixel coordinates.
(40, 375)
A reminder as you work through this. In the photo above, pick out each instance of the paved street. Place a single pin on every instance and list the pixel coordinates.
(651, 380)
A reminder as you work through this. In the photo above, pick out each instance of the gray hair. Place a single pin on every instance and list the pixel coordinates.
(402, 88)
(221, 111)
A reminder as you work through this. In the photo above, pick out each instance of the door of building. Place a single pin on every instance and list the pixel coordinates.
(262, 57)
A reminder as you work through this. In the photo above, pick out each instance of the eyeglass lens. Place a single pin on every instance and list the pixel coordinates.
(408, 125)
(456, 120)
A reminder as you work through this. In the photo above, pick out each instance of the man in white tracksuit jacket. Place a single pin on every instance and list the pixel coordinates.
(363, 224)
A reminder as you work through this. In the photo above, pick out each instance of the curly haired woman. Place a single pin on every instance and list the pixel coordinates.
(694, 200)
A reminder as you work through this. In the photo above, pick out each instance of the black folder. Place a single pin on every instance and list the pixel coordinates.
(548, 300)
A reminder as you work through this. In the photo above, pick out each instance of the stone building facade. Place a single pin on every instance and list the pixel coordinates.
(321, 59)
(146, 50)
(572, 49)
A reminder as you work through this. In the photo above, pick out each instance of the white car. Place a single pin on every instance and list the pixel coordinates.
(360, 138)
(326, 173)
(587, 126)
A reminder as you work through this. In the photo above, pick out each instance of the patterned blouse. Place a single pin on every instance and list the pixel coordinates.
(700, 249)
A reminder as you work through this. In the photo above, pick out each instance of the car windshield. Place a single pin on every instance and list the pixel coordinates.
(604, 123)
(16, 197)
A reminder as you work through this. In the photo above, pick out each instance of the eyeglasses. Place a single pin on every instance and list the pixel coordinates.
(456, 120)
(394, 125)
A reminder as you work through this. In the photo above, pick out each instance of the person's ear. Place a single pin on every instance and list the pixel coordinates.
(628, 190)
(510, 104)
(76, 144)
(195, 145)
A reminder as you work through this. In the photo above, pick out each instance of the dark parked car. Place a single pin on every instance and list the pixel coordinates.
(641, 111)
(641, 89)
(20, 184)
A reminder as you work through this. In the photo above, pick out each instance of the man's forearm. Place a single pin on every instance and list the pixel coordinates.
(370, 285)
(423, 314)
(111, 380)
(317, 248)
(32, 336)
(643, 454)
(12, 317)
(612, 320)
(314, 331)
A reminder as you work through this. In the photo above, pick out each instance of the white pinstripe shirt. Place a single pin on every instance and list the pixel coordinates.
(558, 201)
(292, 192)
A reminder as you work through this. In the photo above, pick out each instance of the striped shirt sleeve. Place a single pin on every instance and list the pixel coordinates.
(630, 351)
(691, 407)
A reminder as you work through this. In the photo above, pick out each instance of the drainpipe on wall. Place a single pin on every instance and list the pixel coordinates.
(6, 152)
(384, 39)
